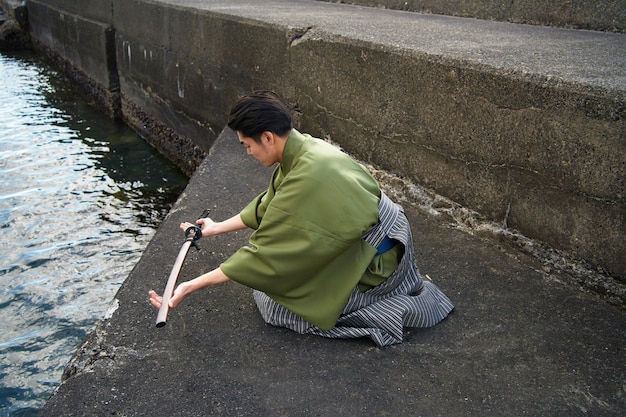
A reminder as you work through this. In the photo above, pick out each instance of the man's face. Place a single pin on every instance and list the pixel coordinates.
(263, 152)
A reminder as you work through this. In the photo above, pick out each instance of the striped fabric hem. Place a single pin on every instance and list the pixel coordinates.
(405, 299)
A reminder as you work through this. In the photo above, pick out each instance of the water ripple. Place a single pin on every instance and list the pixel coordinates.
(80, 197)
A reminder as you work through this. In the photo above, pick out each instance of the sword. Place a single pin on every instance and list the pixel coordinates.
(192, 234)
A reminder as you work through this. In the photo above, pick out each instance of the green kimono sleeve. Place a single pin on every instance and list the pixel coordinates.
(249, 215)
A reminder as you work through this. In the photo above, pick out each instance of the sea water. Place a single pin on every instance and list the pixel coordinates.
(80, 197)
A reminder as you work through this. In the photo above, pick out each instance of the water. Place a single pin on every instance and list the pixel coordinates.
(80, 197)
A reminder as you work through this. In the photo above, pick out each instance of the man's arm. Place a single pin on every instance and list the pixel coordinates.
(181, 292)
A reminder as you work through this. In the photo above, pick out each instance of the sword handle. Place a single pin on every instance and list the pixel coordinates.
(205, 214)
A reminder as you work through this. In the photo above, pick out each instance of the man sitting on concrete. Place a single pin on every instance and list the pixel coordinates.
(330, 254)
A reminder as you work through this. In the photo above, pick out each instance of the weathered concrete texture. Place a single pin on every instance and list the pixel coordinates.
(548, 170)
(17, 11)
(82, 47)
(14, 33)
(523, 124)
(170, 133)
(606, 15)
(520, 342)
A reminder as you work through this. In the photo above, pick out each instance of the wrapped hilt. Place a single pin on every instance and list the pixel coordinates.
(194, 233)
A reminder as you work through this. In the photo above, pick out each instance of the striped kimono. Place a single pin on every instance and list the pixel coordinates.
(382, 312)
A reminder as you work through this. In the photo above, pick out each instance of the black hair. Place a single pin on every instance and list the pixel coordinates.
(258, 112)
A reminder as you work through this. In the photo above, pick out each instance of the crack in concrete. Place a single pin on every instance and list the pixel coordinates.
(94, 349)
(296, 35)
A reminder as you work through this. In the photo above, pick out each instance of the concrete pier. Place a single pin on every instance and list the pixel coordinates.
(520, 342)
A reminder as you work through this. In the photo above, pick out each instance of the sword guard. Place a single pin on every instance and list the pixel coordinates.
(194, 233)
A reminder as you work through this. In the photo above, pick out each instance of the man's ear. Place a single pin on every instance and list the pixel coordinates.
(267, 137)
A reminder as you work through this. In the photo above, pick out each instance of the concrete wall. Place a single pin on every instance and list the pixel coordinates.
(546, 159)
(604, 15)
(532, 157)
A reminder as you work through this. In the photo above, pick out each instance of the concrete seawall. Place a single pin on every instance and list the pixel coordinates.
(524, 125)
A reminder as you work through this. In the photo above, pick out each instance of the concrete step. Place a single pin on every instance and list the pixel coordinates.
(587, 58)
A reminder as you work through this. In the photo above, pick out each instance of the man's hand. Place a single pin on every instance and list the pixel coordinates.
(206, 225)
(155, 299)
(180, 293)
(211, 228)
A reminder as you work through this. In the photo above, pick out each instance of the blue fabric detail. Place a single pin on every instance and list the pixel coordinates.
(385, 245)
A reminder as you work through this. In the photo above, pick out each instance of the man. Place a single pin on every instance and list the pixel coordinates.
(330, 254)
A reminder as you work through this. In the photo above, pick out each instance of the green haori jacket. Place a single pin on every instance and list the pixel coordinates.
(307, 251)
